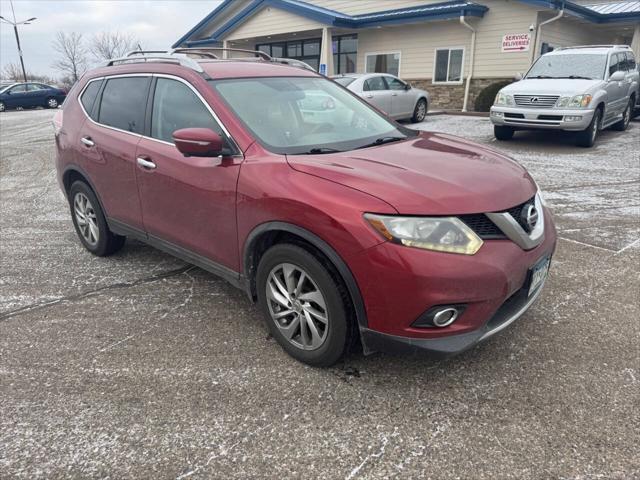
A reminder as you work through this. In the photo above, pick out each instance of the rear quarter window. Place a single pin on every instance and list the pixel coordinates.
(123, 103)
(88, 97)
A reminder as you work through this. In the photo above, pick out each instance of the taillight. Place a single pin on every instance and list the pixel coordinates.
(57, 122)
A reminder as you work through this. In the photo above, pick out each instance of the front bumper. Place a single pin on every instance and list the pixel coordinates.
(444, 347)
(543, 118)
(399, 284)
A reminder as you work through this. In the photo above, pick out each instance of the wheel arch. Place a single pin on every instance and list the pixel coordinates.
(268, 234)
(73, 173)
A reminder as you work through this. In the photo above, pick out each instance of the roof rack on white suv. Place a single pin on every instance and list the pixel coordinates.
(624, 47)
(183, 56)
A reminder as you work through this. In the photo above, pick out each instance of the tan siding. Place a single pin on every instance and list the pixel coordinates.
(271, 21)
(569, 32)
(222, 18)
(357, 7)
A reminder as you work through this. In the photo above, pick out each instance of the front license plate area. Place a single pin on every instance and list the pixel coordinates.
(537, 274)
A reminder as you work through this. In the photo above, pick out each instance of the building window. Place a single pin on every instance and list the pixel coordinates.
(385, 62)
(448, 65)
(307, 51)
(345, 53)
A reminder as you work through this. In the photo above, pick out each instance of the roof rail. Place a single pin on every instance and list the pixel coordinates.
(198, 50)
(594, 46)
(140, 56)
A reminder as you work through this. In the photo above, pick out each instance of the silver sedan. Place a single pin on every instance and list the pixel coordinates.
(388, 93)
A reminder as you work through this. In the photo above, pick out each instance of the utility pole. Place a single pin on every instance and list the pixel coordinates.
(15, 30)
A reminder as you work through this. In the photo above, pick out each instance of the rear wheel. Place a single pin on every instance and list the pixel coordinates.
(622, 125)
(420, 112)
(2, 107)
(302, 305)
(587, 138)
(52, 103)
(90, 222)
(503, 133)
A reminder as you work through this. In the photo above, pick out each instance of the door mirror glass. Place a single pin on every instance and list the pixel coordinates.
(617, 76)
(198, 142)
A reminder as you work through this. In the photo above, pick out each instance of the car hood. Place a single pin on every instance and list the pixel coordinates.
(431, 174)
(540, 86)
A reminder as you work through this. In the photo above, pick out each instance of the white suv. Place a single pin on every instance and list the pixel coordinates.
(580, 89)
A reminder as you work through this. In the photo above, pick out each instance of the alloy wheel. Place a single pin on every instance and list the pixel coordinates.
(422, 111)
(596, 127)
(627, 114)
(2, 107)
(297, 306)
(86, 219)
(52, 102)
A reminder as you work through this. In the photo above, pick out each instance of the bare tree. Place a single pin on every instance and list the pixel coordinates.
(13, 72)
(107, 45)
(72, 54)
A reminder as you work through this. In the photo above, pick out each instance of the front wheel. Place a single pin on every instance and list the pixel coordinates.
(587, 137)
(622, 125)
(303, 305)
(503, 133)
(2, 107)
(90, 222)
(420, 111)
(52, 103)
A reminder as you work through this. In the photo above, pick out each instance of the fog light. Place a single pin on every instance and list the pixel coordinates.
(445, 317)
(440, 316)
(572, 118)
(497, 114)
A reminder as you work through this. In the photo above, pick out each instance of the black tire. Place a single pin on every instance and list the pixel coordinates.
(51, 103)
(2, 107)
(420, 111)
(338, 327)
(587, 137)
(503, 133)
(107, 242)
(622, 125)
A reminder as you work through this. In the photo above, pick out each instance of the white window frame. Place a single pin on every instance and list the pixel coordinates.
(435, 59)
(396, 52)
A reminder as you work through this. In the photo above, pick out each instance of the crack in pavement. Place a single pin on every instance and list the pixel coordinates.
(90, 293)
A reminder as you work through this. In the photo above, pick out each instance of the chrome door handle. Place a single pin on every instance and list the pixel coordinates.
(369, 96)
(143, 162)
(87, 141)
(394, 94)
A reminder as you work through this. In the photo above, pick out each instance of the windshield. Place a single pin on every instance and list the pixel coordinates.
(298, 115)
(344, 81)
(568, 65)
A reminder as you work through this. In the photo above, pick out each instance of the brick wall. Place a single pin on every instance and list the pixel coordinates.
(451, 97)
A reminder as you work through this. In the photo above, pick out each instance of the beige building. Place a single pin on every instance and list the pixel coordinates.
(453, 49)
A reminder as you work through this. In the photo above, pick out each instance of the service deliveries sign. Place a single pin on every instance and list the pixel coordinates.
(516, 42)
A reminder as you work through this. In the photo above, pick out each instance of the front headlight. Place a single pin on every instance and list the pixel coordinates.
(579, 101)
(503, 99)
(443, 234)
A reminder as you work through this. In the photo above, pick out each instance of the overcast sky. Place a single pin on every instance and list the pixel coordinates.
(158, 24)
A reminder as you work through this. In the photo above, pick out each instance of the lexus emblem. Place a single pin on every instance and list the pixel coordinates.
(534, 100)
(530, 217)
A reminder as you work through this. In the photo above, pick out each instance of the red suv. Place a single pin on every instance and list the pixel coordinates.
(342, 224)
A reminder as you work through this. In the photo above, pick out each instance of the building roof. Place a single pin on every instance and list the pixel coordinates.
(433, 11)
(596, 13)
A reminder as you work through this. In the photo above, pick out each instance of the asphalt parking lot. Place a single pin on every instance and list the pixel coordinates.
(140, 366)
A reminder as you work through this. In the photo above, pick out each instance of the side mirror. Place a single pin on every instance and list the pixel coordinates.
(407, 86)
(518, 76)
(618, 76)
(198, 142)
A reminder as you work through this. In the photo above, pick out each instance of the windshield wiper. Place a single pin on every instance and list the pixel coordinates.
(382, 140)
(542, 76)
(321, 150)
(580, 77)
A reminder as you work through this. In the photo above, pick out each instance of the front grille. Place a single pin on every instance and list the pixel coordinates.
(536, 101)
(550, 117)
(482, 226)
(516, 213)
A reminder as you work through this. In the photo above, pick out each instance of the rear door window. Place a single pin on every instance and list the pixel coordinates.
(375, 83)
(89, 96)
(123, 103)
(631, 61)
(614, 64)
(176, 106)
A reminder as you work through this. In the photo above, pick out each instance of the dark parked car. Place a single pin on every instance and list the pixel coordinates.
(30, 95)
(349, 228)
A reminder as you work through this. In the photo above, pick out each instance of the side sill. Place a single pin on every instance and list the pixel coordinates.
(231, 276)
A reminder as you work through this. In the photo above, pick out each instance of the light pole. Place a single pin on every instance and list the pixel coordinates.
(15, 30)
